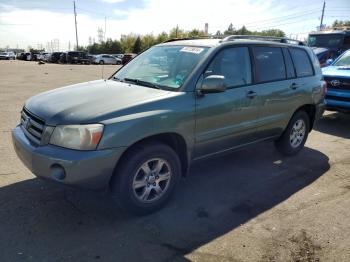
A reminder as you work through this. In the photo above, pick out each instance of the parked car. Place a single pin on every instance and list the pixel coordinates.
(138, 132)
(41, 56)
(77, 57)
(323, 55)
(120, 56)
(127, 58)
(7, 56)
(336, 41)
(63, 58)
(54, 57)
(337, 76)
(106, 59)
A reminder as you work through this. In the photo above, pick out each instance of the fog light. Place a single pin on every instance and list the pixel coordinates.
(57, 172)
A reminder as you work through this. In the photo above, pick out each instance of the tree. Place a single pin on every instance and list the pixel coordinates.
(196, 33)
(127, 42)
(177, 33)
(230, 30)
(162, 37)
(137, 46)
(273, 32)
(339, 23)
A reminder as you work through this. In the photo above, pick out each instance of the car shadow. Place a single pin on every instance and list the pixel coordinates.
(41, 221)
(334, 123)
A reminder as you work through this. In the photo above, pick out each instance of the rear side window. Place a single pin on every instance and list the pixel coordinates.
(234, 64)
(289, 63)
(302, 62)
(269, 64)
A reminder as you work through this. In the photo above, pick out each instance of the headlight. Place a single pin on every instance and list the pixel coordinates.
(81, 137)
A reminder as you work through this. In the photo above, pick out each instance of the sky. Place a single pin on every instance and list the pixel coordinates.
(34, 23)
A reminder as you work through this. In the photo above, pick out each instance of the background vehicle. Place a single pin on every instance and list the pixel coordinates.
(337, 76)
(120, 56)
(323, 54)
(74, 57)
(42, 55)
(106, 59)
(138, 132)
(54, 57)
(336, 41)
(7, 56)
(63, 58)
(127, 58)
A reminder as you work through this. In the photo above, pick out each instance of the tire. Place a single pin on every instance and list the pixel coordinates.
(155, 189)
(102, 62)
(294, 136)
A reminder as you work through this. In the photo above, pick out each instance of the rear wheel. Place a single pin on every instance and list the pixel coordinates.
(146, 178)
(102, 62)
(294, 137)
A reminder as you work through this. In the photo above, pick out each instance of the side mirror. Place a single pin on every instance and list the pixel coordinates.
(213, 84)
(329, 61)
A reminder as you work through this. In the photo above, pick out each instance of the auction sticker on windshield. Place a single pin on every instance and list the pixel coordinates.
(190, 49)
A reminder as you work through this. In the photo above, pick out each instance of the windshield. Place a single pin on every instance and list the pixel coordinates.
(330, 40)
(343, 60)
(162, 66)
(3, 53)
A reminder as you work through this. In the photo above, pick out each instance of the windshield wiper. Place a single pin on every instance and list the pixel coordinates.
(141, 82)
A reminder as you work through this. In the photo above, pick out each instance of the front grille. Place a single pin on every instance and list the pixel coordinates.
(338, 98)
(338, 83)
(32, 126)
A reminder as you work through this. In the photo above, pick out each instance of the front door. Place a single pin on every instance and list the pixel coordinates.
(227, 120)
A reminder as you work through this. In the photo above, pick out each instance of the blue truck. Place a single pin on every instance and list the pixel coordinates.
(337, 76)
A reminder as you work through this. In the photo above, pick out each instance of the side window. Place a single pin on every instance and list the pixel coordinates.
(234, 64)
(347, 41)
(302, 62)
(289, 63)
(269, 64)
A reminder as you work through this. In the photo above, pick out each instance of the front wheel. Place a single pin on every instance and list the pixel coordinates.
(146, 178)
(102, 62)
(294, 137)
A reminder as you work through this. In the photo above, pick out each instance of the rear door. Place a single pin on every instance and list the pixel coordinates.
(274, 76)
(227, 120)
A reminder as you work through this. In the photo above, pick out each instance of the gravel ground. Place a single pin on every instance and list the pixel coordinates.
(252, 205)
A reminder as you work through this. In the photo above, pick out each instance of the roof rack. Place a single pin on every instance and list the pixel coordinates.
(264, 38)
(190, 38)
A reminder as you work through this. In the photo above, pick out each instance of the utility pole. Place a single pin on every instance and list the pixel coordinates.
(321, 24)
(76, 28)
(177, 28)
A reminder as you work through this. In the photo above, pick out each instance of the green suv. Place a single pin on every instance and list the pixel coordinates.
(137, 133)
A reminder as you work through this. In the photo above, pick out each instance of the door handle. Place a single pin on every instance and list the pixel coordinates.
(251, 94)
(294, 86)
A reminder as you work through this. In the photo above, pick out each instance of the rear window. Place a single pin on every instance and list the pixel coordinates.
(302, 62)
(269, 64)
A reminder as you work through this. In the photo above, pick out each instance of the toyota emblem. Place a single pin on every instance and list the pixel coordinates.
(335, 82)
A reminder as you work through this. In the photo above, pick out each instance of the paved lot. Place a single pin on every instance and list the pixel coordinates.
(252, 205)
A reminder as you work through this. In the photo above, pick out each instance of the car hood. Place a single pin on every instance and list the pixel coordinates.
(340, 71)
(90, 102)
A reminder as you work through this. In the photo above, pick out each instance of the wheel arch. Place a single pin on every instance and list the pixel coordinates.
(310, 109)
(173, 140)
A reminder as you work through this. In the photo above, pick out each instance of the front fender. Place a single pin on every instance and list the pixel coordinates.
(126, 130)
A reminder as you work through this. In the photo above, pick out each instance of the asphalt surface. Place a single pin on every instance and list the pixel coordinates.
(251, 205)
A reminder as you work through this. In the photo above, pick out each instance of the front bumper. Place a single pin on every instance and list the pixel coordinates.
(87, 169)
(338, 99)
